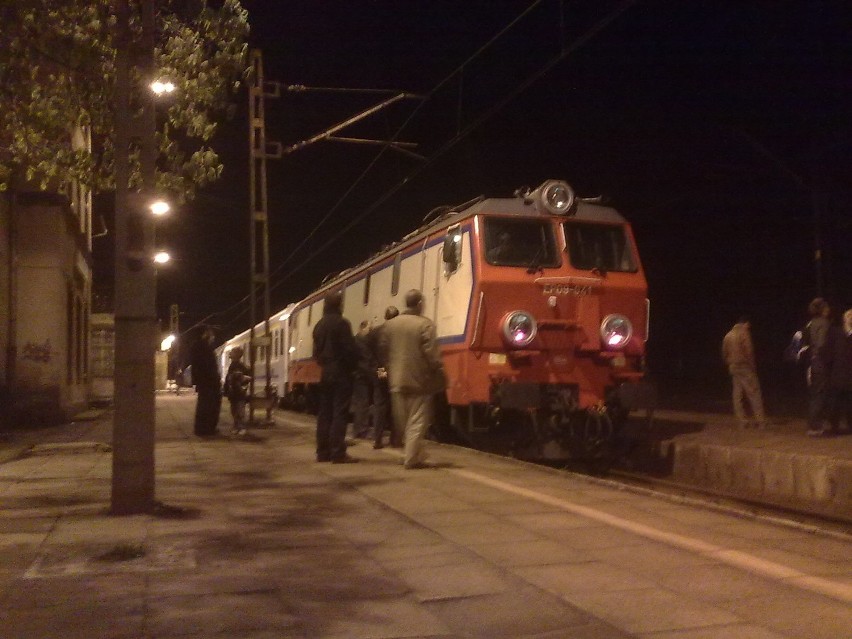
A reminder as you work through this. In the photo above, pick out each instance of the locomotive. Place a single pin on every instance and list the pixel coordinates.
(540, 306)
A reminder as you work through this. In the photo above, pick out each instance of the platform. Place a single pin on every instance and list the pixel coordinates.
(255, 539)
(778, 464)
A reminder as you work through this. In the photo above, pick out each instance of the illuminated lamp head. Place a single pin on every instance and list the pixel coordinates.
(519, 328)
(616, 331)
(555, 197)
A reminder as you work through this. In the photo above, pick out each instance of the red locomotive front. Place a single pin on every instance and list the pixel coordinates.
(557, 324)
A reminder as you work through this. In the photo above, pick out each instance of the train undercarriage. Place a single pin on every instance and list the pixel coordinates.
(545, 422)
(535, 422)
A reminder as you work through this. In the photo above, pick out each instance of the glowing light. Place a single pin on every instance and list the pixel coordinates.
(160, 207)
(159, 87)
(162, 257)
(167, 342)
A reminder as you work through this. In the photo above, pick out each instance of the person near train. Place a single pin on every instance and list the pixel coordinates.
(816, 375)
(382, 418)
(237, 389)
(837, 359)
(738, 354)
(336, 352)
(415, 374)
(208, 384)
(364, 383)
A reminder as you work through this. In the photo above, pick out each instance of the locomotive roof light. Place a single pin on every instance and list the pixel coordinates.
(616, 331)
(519, 328)
(555, 196)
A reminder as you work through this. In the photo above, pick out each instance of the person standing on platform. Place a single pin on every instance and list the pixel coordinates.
(362, 392)
(208, 384)
(382, 419)
(837, 357)
(236, 389)
(336, 353)
(815, 334)
(738, 354)
(415, 374)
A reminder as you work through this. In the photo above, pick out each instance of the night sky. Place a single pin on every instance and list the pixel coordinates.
(720, 129)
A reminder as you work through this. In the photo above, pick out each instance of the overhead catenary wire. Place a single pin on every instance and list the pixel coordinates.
(579, 42)
(461, 133)
(394, 138)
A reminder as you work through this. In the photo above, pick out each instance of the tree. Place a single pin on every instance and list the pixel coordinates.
(57, 72)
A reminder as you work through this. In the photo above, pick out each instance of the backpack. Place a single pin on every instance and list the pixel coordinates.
(798, 351)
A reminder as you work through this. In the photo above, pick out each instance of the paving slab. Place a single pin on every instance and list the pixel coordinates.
(253, 539)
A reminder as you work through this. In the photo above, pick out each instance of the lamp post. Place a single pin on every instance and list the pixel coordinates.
(135, 283)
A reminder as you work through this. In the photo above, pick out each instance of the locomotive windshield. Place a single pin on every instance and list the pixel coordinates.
(528, 243)
(598, 247)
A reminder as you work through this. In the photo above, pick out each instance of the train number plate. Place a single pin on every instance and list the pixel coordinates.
(496, 358)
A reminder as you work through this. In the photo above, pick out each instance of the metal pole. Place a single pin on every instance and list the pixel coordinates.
(135, 284)
(259, 225)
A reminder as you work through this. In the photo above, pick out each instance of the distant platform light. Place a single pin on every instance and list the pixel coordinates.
(162, 257)
(167, 342)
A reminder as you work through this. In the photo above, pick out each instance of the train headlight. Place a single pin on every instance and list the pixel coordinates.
(616, 331)
(519, 328)
(556, 197)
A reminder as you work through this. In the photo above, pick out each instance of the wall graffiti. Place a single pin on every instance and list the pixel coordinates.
(37, 352)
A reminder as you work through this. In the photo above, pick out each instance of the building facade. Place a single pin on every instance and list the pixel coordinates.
(45, 300)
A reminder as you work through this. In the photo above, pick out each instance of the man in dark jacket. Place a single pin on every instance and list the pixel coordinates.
(208, 384)
(337, 355)
(365, 381)
(816, 332)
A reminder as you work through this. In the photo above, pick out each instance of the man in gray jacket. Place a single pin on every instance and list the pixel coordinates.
(415, 374)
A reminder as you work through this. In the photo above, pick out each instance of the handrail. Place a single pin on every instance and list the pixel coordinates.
(478, 315)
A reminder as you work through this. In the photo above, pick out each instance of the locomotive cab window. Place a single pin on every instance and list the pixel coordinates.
(598, 247)
(528, 243)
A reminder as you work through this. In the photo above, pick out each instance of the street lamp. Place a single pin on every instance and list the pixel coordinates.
(162, 257)
(167, 342)
(159, 207)
(160, 87)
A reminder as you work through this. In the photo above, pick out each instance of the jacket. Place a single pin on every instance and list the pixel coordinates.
(205, 368)
(413, 357)
(334, 348)
(836, 355)
(737, 348)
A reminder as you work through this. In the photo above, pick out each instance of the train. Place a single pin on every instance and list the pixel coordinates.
(541, 309)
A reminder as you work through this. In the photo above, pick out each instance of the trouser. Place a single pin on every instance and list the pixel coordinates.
(362, 398)
(840, 407)
(334, 398)
(238, 412)
(382, 420)
(817, 397)
(412, 412)
(207, 409)
(746, 386)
